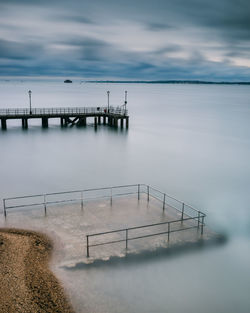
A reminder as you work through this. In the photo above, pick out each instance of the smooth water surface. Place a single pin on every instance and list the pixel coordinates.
(191, 141)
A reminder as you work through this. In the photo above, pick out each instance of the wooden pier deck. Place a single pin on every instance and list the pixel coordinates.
(68, 116)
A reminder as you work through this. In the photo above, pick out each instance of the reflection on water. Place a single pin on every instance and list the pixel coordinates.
(192, 141)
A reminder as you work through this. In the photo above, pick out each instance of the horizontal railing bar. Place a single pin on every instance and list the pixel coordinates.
(166, 195)
(71, 191)
(143, 226)
(106, 243)
(174, 207)
(140, 237)
(68, 200)
(161, 233)
(171, 197)
(24, 197)
(23, 205)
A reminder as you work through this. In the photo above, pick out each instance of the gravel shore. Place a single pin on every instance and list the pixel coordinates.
(27, 284)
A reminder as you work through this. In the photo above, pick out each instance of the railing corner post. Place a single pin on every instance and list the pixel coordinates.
(148, 192)
(138, 191)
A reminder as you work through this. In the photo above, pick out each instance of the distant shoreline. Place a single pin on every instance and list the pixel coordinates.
(199, 82)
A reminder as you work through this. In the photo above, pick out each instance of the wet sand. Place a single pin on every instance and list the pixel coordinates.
(27, 284)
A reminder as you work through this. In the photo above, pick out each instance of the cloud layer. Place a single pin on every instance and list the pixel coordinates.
(140, 39)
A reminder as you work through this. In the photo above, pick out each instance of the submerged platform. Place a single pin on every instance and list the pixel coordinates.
(129, 220)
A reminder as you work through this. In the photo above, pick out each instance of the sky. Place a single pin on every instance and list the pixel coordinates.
(132, 39)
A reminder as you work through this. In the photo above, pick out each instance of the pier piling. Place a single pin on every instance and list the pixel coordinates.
(127, 121)
(45, 122)
(3, 123)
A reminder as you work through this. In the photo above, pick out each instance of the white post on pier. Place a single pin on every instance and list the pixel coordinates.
(108, 92)
(30, 100)
(125, 102)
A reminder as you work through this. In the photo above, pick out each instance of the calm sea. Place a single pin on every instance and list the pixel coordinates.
(191, 141)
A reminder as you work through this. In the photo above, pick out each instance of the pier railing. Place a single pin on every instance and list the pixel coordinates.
(15, 112)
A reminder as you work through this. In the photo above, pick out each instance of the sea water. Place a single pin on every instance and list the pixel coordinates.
(191, 141)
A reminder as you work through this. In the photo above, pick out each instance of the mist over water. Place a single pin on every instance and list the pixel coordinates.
(191, 141)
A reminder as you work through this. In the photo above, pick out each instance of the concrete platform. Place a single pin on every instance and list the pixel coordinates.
(69, 224)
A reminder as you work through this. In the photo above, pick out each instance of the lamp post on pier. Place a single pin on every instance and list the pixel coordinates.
(125, 102)
(30, 100)
(108, 92)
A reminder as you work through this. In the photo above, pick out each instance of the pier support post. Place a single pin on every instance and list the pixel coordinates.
(99, 120)
(24, 123)
(3, 123)
(104, 120)
(121, 122)
(62, 121)
(115, 122)
(82, 121)
(127, 122)
(45, 122)
(95, 122)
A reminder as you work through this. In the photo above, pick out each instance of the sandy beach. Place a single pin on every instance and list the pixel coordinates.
(27, 284)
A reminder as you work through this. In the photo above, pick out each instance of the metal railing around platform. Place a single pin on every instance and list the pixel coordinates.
(199, 224)
(187, 212)
(43, 200)
(18, 112)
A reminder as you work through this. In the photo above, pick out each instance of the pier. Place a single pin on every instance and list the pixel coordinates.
(111, 116)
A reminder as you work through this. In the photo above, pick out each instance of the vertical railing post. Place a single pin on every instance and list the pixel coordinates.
(44, 203)
(126, 239)
(110, 196)
(182, 211)
(198, 226)
(202, 224)
(148, 192)
(4, 208)
(168, 230)
(138, 191)
(87, 246)
(164, 200)
(81, 199)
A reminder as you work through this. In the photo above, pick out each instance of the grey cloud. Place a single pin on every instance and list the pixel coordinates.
(158, 26)
(224, 23)
(18, 51)
(75, 18)
(170, 48)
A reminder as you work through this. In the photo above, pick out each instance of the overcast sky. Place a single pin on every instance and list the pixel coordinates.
(133, 39)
